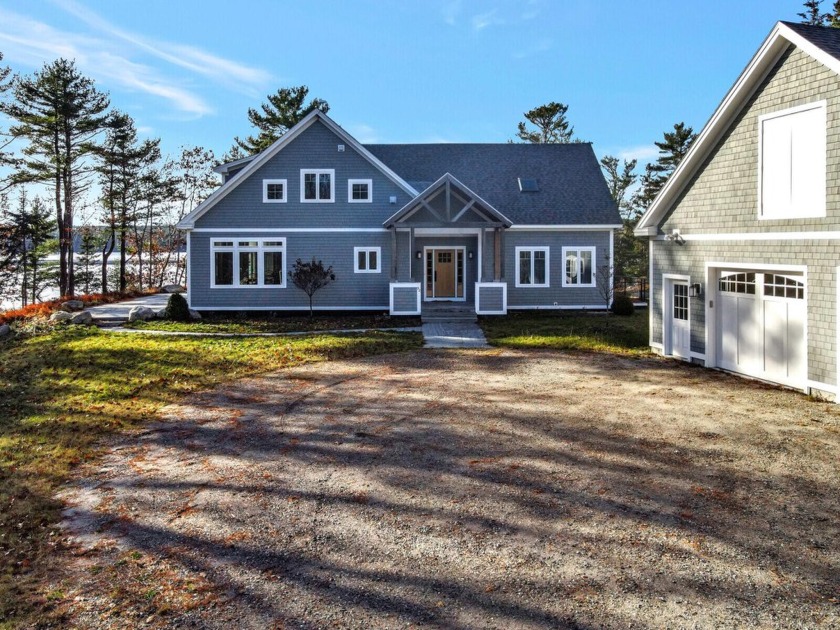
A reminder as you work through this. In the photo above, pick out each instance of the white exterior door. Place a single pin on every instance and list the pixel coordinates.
(678, 325)
(761, 325)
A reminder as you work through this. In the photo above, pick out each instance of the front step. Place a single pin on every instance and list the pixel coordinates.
(447, 312)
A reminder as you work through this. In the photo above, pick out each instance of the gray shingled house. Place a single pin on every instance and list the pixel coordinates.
(744, 237)
(491, 227)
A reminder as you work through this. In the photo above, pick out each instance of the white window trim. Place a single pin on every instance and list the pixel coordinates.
(367, 250)
(819, 213)
(532, 249)
(577, 251)
(261, 249)
(266, 182)
(317, 172)
(350, 183)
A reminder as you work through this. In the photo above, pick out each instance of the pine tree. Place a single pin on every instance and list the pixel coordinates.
(121, 160)
(31, 232)
(283, 111)
(551, 124)
(5, 139)
(630, 252)
(59, 113)
(672, 150)
(86, 274)
(813, 16)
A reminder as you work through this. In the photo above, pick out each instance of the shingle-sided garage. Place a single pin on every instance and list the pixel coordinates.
(745, 235)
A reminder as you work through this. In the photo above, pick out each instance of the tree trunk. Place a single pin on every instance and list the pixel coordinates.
(68, 210)
(311, 313)
(107, 250)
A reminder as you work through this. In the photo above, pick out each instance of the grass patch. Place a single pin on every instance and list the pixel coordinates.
(564, 330)
(281, 324)
(62, 392)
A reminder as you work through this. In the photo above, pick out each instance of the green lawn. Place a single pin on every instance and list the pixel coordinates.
(565, 330)
(281, 324)
(61, 392)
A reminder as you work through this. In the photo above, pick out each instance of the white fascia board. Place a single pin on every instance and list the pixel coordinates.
(188, 222)
(650, 230)
(224, 168)
(774, 45)
(564, 228)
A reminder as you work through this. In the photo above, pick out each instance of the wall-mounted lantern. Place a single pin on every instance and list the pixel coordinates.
(419, 255)
(695, 290)
(470, 255)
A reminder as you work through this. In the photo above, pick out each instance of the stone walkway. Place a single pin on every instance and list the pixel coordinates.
(119, 310)
(461, 334)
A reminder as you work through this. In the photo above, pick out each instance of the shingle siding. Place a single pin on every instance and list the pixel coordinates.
(492, 299)
(722, 198)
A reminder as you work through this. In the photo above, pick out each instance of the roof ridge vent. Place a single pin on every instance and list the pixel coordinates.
(528, 185)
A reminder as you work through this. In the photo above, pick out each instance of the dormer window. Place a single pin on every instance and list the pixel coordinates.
(359, 190)
(528, 185)
(317, 185)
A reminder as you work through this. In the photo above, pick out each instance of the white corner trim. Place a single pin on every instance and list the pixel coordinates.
(188, 272)
(267, 182)
(350, 183)
(517, 261)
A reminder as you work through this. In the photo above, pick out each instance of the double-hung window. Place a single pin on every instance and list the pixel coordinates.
(274, 191)
(532, 267)
(792, 162)
(367, 259)
(248, 263)
(579, 265)
(359, 190)
(317, 185)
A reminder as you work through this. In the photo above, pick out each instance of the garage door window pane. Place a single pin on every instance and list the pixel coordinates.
(783, 286)
(738, 283)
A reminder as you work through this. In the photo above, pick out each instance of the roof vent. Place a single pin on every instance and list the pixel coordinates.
(528, 185)
(341, 148)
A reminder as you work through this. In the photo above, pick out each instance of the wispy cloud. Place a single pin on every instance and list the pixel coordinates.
(450, 11)
(541, 46)
(483, 20)
(644, 153)
(196, 60)
(364, 133)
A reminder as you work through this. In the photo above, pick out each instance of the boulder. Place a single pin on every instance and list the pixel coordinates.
(83, 319)
(161, 314)
(61, 316)
(173, 288)
(140, 313)
(5, 330)
(71, 306)
(195, 314)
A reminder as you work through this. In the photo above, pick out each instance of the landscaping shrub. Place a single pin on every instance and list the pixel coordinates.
(623, 305)
(177, 309)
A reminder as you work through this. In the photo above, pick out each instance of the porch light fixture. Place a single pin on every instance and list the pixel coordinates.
(695, 290)
(418, 255)
(469, 255)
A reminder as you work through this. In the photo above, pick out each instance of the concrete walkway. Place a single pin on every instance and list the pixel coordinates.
(457, 334)
(118, 311)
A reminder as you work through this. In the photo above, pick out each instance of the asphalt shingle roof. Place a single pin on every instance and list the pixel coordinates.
(572, 189)
(824, 37)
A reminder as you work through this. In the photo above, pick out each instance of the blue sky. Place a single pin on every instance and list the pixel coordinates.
(402, 71)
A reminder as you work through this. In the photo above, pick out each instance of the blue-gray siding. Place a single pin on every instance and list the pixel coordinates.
(491, 299)
(315, 148)
(350, 290)
(405, 299)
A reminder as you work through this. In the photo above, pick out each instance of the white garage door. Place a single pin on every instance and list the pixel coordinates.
(761, 325)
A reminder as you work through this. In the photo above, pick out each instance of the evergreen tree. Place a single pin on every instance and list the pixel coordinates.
(551, 124)
(672, 150)
(87, 272)
(5, 138)
(59, 113)
(630, 252)
(283, 111)
(813, 15)
(30, 233)
(121, 160)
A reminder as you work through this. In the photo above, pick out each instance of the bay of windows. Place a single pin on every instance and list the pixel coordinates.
(248, 263)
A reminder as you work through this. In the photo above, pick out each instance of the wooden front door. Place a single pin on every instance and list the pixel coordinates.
(445, 273)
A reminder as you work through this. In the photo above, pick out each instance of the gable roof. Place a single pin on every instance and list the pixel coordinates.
(819, 42)
(188, 222)
(572, 189)
(474, 204)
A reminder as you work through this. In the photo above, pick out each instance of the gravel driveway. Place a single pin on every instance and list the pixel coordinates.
(465, 489)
